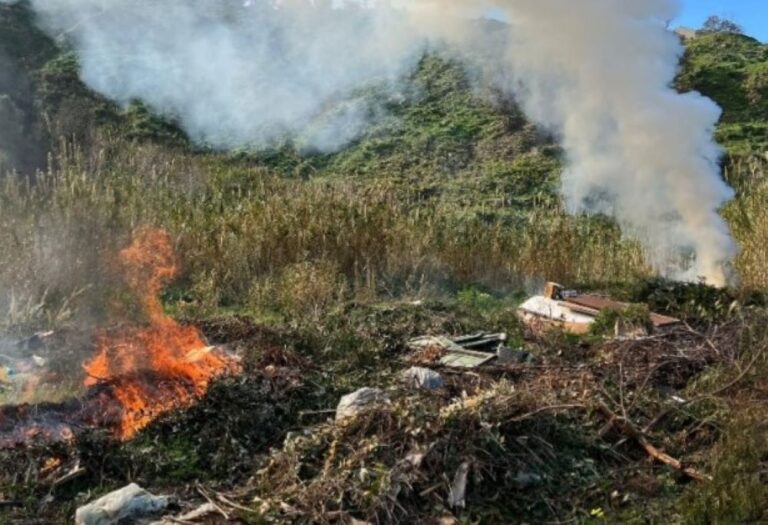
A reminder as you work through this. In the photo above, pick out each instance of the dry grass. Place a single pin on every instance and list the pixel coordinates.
(748, 217)
(251, 238)
(242, 232)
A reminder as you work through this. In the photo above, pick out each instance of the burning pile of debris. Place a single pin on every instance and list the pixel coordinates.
(138, 372)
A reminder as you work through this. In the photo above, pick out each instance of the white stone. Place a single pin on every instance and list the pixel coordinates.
(359, 402)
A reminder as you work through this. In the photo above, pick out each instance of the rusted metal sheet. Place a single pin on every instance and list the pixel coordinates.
(598, 304)
(575, 312)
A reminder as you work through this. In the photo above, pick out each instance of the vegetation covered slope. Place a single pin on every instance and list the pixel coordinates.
(732, 69)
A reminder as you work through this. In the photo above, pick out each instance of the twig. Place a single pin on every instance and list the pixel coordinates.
(231, 503)
(204, 494)
(431, 489)
(703, 336)
(543, 409)
(628, 428)
(73, 474)
(179, 521)
(738, 378)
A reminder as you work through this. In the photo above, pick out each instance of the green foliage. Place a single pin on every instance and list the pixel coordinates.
(141, 123)
(473, 297)
(715, 24)
(738, 492)
(693, 302)
(729, 68)
(610, 322)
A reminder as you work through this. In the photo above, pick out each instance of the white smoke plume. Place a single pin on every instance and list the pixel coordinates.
(600, 75)
(239, 74)
(597, 73)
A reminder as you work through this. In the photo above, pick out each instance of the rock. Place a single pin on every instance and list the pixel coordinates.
(424, 378)
(359, 402)
(126, 504)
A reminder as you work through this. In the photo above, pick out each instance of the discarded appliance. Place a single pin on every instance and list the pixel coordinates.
(469, 351)
(575, 313)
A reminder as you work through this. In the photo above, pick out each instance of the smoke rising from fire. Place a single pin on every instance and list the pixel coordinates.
(240, 74)
(600, 76)
(597, 74)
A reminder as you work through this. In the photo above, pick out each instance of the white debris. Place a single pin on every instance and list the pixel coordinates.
(429, 341)
(540, 306)
(424, 378)
(359, 402)
(126, 504)
(458, 491)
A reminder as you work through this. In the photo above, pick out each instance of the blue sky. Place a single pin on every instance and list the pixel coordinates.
(751, 14)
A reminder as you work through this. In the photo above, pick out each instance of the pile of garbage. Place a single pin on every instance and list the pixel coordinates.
(469, 351)
(576, 313)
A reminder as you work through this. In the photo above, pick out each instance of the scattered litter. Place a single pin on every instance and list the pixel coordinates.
(423, 378)
(458, 491)
(466, 359)
(481, 341)
(359, 402)
(429, 341)
(575, 313)
(124, 505)
(467, 351)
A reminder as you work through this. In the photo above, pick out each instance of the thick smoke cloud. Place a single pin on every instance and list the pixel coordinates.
(600, 76)
(595, 72)
(238, 74)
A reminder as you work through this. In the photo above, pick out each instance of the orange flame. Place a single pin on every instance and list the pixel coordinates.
(159, 367)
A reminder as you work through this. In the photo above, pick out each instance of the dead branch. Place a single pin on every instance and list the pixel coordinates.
(203, 493)
(75, 473)
(538, 411)
(231, 503)
(625, 426)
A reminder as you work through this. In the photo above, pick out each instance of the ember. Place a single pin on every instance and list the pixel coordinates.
(161, 366)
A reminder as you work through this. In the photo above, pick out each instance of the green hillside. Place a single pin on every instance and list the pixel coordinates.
(733, 70)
